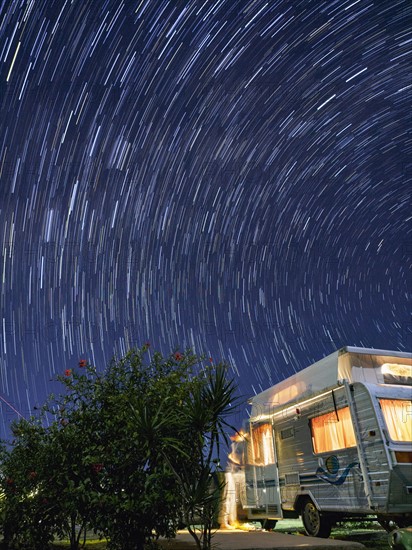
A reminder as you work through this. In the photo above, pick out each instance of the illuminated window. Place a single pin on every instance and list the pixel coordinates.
(397, 374)
(262, 452)
(332, 431)
(398, 418)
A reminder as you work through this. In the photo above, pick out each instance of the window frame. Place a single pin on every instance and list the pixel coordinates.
(325, 415)
(389, 430)
(255, 430)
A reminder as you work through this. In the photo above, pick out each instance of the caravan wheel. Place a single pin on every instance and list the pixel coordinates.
(268, 524)
(315, 524)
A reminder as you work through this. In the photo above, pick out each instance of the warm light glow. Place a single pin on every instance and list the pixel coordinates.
(228, 513)
(394, 373)
(332, 431)
(398, 418)
(262, 445)
(239, 436)
(238, 444)
(234, 457)
(287, 394)
(397, 369)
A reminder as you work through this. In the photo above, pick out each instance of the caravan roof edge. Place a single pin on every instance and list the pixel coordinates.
(301, 399)
(372, 351)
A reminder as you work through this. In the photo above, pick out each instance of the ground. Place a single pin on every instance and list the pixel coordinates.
(370, 534)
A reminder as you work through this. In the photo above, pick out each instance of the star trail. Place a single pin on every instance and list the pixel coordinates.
(230, 176)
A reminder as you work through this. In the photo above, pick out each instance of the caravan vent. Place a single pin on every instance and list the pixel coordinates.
(288, 432)
(292, 479)
(273, 509)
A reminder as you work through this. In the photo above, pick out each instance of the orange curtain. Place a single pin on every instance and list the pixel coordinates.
(263, 445)
(398, 418)
(333, 431)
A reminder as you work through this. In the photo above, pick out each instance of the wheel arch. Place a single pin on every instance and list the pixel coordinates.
(301, 498)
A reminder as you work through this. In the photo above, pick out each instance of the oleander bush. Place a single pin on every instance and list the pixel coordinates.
(129, 453)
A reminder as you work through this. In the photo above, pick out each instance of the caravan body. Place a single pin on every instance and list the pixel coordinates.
(333, 442)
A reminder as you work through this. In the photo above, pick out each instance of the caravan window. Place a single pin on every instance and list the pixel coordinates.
(332, 431)
(261, 452)
(398, 418)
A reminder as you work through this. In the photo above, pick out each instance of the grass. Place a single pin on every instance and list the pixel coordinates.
(368, 533)
(92, 544)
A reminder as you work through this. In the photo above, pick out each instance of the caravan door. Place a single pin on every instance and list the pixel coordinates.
(262, 485)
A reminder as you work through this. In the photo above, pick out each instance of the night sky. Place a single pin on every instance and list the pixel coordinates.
(223, 175)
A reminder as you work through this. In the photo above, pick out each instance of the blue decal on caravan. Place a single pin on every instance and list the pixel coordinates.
(332, 470)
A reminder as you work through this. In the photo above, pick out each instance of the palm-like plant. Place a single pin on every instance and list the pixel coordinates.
(204, 415)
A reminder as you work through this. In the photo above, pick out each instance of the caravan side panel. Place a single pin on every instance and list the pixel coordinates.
(332, 479)
(390, 482)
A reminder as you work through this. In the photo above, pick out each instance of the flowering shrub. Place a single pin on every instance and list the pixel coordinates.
(126, 452)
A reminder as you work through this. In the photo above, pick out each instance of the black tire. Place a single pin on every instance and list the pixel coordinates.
(268, 524)
(315, 523)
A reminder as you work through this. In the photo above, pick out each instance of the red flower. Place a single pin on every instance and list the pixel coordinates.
(68, 372)
(147, 345)
(82, 363)
(10, 481)
(178, 356)
(97, 468)
(32, 475)
(210, 359)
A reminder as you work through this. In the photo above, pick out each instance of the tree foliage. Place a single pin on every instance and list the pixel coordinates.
(129, 453)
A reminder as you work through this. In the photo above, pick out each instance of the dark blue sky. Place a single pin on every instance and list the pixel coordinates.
(223, 175)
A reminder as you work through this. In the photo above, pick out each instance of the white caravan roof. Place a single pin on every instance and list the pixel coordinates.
(353, 364)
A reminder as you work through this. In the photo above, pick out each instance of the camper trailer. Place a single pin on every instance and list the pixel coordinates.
(331, 443)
